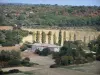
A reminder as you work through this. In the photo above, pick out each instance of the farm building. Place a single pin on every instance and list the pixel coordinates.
(41, 46)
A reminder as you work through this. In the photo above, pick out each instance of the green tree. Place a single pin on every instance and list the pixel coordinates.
(49, 37)
(43, 37)
(33, 37)
(38, 36)
(64, 36)
(45, 52)
(54, 38)
(60, 38)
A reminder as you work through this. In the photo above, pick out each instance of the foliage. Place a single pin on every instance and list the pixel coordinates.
(73, 52)
(37, 36)
(66, 60)
(49, 37)
(11, 58)
(23, 47)
(26, 62)
(10, 71)
(37, 51)
(45, 52)
(64, 38)
(14, 62)
(43, 37)
(54, 38)
(10, 38)
(60, 38)
(54, 66)
(95, 46)
(49, 15)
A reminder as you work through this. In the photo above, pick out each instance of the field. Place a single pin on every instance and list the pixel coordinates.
(45, 62)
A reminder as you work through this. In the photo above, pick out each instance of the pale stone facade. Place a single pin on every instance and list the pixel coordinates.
(71, 35)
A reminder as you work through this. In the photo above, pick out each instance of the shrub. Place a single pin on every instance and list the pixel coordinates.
(14, 62)
(24, 47)
(25, 61)
(55, 55)
(98, 58)
(90, 59)
(58, 61)
(80, 60)
(37, 51)
(45, 52)
(54, 66)
(14, 71)
(28, 64)
(1, 72)
(66, 60)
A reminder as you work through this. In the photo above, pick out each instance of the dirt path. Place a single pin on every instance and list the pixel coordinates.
(43, 67)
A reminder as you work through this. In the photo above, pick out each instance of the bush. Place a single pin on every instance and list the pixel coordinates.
(54, 66)
(14, 62)
(26, 62)
(98, 58)
(58, 61)
(90, 59)
(24, 47)
(27, 59)
(37, 51)
(55, 55)
(80, 60)
(1, 72)
(14, 71)
(45, 52)
(66, 60)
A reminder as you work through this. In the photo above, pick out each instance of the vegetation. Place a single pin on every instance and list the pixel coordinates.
(9, 58)
(72, 53)
(44, 52)
(64, 34)
(10, 71)
(37, 36)
(10, 38)
(43, 37)
(49, 37)
(49, 15)
(54, 38)
(94, 45)
(60, 38)
(12, 59)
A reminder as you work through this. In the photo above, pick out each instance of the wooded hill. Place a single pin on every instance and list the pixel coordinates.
(49, 15)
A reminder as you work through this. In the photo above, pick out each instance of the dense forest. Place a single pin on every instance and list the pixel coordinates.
(49, 15)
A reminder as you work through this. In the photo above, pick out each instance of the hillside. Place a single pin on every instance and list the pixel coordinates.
(49, 15)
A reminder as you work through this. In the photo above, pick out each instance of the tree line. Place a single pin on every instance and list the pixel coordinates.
(49, 15)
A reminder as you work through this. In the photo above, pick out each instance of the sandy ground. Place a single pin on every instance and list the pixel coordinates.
(45, 62)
